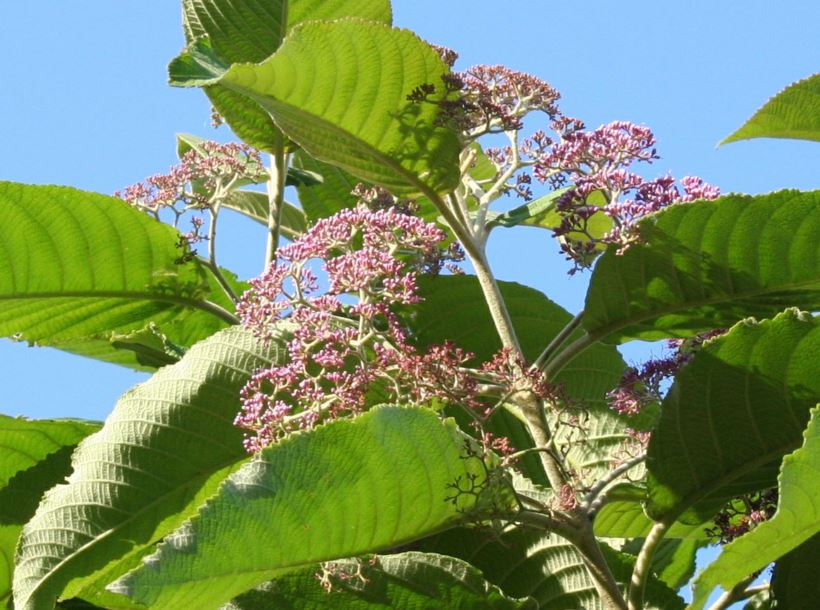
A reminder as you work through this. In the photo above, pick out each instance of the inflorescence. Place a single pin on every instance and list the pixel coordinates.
(348, 345)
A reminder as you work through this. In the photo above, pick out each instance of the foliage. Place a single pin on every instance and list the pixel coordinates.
(369, 423)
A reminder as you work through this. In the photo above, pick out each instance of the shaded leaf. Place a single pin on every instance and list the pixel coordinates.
(731, 415)
(792, 113)
(166, 446)
(81, 266)
(412, 580)
(322, 88)
(795, 522)
(708, 265)
(343, 489)
(794, 581)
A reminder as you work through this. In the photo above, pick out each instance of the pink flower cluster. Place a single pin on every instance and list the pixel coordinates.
(348, 339)
(642, 386)
(596, 162)
(201, 172)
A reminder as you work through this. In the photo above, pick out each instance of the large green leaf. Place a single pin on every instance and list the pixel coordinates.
(164, 449)
(732, 414)
(36, 456)
(250, 31)
(707, 265)
(339, 89)
(797, 519)
(80, 266)
(344, 489)
(526, 563)
(454, 309)
(792, 113)
(407, 581)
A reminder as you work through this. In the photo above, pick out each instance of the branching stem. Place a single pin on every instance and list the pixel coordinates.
(211, 262)
(598, 490)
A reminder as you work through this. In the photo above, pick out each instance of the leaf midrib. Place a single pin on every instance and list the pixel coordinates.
(202, 304)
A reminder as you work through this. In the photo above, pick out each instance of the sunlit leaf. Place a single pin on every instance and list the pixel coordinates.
(79, 266)
(708, 265)
(792, 113)
(343, 489)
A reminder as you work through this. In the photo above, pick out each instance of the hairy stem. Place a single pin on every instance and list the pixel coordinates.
(643, 564)
(276, 199)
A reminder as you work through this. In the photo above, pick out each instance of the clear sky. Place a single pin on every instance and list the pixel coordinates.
(84, 102)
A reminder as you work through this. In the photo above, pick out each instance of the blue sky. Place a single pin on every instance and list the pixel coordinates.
(84, 102)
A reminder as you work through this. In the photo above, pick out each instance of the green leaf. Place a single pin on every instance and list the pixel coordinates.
(164, 449)
(794, 582)
(80, 266)
(454, 309)
(25, 442)
(526, 563)
(732, 414)
(329, 196)
(407, 581)
(250, 31)
(708, 265)
(792, 113)
(344, 489)
(254, 204)
(537, 213)
(322, 88)
(797, 519)
(151, 348)
(36, 456)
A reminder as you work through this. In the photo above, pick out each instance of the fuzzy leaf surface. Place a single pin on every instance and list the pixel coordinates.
(166, 446)
(339, 89)
(708, 265)
(734, 411)
(80, 266)
(343, 489)
(795, 522)
(792, 113)
(407, 581)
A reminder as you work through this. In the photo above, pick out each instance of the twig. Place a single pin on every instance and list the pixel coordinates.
(554, 366)
(558, 340)
(211, 263)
